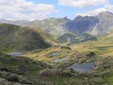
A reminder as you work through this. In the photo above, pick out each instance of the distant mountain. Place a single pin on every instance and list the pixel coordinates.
(60, 27)
(104, 25)
(94, 25)
(81, 24)
(85, 37)
(53, 26)
(13, 37)
(67, 38)
(71, 38)
(21, 23)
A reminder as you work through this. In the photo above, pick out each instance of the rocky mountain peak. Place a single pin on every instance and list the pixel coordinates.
(106, 14)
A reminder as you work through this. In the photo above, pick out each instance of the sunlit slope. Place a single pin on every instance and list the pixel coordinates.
(102, 46)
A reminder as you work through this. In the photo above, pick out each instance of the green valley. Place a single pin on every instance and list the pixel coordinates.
(57, 51)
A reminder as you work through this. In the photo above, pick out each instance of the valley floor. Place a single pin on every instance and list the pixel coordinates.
(51, 66)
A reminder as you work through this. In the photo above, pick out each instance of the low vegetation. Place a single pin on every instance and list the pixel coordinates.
(37, 67)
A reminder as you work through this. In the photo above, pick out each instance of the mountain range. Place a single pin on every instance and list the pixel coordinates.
(81, 24)
(94, 25)
(57, 51)
(59, 28)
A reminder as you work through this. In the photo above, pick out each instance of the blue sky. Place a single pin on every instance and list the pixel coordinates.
(71, 11)
(63, 11)
(40, 9)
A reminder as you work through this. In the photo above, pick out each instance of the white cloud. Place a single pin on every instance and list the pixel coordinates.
(82, 3)
(91, 12)
(23, 10)
(96, 11)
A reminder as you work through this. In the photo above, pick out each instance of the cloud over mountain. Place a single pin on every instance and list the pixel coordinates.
(24, 10)
(94, 12)
(82, 3)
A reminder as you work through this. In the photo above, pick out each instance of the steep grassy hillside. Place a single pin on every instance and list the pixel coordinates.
(13, 37)
(67, 38)
(71, 38)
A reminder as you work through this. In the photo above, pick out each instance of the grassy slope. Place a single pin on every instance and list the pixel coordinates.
(13, 37)
(102, 47)
(33, 68)
(43, 55)
(76, 79)
(20, 66)
(67, 38)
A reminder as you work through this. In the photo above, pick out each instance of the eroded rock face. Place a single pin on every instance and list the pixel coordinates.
(104, 25)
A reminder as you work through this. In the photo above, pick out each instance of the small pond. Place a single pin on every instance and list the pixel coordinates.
(15, 54)
(83, 67)
(60, 60)
(53, 54)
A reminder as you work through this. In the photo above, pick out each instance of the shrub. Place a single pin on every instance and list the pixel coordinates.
(12, 78)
